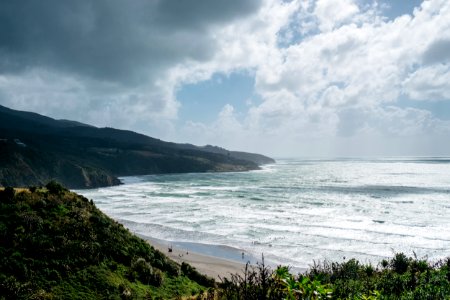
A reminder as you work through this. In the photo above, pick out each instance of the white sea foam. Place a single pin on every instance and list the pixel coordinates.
(296, 211)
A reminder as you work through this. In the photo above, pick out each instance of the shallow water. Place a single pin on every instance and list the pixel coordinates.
(296, 211)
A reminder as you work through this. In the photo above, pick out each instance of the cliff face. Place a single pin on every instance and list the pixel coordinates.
(26, 166)
(35, 149)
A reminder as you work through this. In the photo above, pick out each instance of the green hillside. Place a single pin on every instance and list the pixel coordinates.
(55, 244)
(35, 149)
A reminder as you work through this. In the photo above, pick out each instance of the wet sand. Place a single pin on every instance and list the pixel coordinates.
(212, 266)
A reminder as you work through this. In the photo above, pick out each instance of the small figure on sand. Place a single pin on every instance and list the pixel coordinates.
(242, 255)
(170, 248)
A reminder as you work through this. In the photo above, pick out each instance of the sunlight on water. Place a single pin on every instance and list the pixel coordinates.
(296, 211)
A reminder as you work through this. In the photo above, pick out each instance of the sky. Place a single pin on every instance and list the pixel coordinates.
(286, 78)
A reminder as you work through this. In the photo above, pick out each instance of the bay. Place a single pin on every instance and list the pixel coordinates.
(296, 211)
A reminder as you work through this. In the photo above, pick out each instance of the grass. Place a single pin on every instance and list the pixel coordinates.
(18, 190)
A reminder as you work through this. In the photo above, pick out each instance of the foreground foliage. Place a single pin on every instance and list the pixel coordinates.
(55, 244)
(401, 277)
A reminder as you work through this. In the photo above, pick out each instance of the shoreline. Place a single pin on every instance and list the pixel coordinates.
(214, 266)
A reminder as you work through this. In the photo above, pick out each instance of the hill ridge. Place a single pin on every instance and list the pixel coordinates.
(35, 149)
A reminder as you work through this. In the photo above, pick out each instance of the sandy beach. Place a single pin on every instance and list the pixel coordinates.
(214, 267)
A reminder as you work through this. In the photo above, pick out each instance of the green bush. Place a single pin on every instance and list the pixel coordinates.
(193, 274)
(7, 195)
(400, 263)
(400, 278)
(55, 188)
(55, 244)
(144, 272)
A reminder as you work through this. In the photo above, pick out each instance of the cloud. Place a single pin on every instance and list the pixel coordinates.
(105, 58)
(344, 81)
(327, 73)
(107, 40)
(333, 13)
(431, 83)
(202, 13)
(437, 52)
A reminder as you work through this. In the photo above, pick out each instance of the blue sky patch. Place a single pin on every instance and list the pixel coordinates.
(396, 8)
(203, 101)
(439, 109)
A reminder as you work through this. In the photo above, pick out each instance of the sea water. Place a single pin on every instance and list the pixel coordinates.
(296, 211)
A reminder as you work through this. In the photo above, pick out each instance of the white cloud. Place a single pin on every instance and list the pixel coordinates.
(93, 102)
(331, 13)
(339, 84)
(430, 83)
(327, 74)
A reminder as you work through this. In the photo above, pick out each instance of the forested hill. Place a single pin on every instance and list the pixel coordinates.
(55, 244)
(35, 149)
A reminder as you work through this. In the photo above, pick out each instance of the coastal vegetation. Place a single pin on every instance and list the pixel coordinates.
(401, 277)
(55, 244)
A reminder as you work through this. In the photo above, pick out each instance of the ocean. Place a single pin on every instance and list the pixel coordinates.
(296, 211)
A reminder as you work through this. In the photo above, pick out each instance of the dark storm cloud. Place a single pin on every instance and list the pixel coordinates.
(111, 40)
(185, 13)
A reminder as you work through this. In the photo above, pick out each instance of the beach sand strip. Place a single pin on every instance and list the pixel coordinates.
(205, 264)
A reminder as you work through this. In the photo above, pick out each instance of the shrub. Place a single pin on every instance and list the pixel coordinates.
(369, 270)
(8, 194)
(384, 263)
(193, 274)
(157, 278)
(401, 277)
(55, 188)
(145, 273)
(400, 263)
